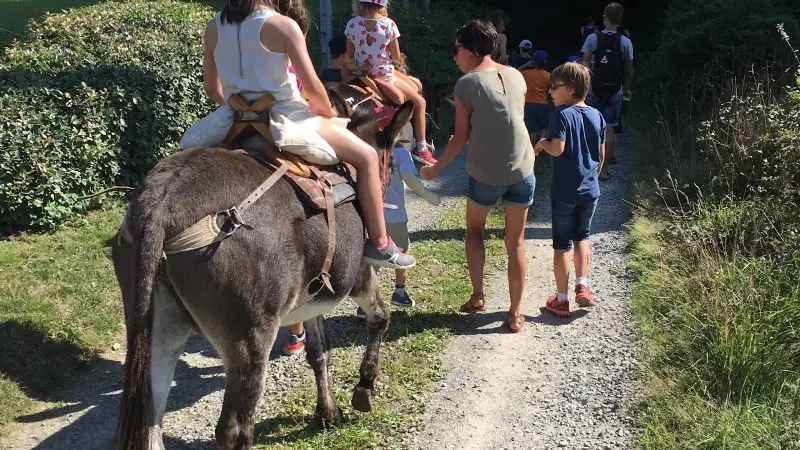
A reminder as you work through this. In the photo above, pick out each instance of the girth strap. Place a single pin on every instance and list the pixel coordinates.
(330, 214)
(205, 231)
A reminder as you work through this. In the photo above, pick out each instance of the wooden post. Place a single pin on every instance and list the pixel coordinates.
(325, 31)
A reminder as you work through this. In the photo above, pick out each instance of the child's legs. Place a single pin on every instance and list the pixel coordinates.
(398, 231)
(350, 149)
(418, 119)
(584, 212)
(563, 218)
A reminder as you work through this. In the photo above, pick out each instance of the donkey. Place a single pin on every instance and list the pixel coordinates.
(237, 292)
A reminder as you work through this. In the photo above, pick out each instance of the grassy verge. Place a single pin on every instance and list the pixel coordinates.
(410, 357)
(59, 306)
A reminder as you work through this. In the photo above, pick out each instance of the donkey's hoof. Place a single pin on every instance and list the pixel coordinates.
(328, 419)
(362, 399)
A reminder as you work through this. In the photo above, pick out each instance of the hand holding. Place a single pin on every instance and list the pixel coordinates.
(428, 173)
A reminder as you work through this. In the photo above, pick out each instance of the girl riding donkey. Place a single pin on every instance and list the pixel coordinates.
(248, 49)
(372, 39)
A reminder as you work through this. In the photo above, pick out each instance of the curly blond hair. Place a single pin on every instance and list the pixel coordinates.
(367, 9)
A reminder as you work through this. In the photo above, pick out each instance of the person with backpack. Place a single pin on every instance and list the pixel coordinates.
(610, 56)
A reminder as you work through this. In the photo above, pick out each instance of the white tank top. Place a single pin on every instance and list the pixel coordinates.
(245, 66)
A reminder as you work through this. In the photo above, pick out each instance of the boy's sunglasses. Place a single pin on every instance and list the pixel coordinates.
(554, 86)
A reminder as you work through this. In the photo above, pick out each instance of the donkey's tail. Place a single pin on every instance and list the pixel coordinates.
(136, 405)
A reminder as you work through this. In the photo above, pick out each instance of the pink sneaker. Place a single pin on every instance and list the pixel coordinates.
(423, 156)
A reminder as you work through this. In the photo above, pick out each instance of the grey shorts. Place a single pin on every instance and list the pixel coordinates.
(399, 233)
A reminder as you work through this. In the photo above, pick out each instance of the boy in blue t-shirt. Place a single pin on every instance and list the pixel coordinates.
(396, 217)
(576, 140)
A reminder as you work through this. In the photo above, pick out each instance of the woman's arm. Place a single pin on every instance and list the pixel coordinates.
(295, 47)
(211, 81)
(456, 143)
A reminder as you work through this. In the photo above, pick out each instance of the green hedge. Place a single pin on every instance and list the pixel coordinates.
(94, 98)
(98, 95)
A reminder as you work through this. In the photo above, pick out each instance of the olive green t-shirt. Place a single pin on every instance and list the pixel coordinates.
(499, 149)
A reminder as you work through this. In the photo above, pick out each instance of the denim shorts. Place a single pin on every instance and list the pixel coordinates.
(611, 110)
(517, 194)
(536, 117)
(572, 222)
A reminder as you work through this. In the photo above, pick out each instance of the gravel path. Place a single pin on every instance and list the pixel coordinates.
(87, 415)
(561, 383)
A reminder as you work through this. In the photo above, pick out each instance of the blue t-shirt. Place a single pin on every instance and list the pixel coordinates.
(583, 130)
(396, 192)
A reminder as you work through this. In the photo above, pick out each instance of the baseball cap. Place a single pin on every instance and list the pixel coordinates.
(525, 44)
(540, 55)
(574, 58)
(376, 2)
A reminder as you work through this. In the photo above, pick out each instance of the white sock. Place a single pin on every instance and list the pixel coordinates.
(399, 289)
(421, 145)
(581, 280)
(562, 297)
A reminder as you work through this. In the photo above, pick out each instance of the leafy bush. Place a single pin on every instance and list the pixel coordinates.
(94, 98)
(701, 44)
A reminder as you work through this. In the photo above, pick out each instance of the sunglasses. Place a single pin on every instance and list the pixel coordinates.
(456, 49)
(554, 86)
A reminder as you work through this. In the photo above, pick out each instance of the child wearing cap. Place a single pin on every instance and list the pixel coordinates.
(537, 79)
(524, 56)
(576, 141)
(372, 38)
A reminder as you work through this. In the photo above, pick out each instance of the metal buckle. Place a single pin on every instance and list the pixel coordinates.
(232, 221)
(249, 116)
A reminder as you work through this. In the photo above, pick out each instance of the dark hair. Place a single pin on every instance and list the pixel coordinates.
(478, 36)
(338, 46)
(575, 76)
(236, 11)
(614, 12)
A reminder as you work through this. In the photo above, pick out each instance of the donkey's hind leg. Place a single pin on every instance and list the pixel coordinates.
(368, 298)
(245, 356)
(318, 355)
(171, 329)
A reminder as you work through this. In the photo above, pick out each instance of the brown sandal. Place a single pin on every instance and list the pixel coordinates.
(470, 306)
(515, 322)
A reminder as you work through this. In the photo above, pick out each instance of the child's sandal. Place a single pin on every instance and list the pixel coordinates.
(515, 322)
(472, 306)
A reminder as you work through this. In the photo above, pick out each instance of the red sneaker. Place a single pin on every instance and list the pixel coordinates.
(423, 156)
(295, 344)
(583, 296)
(561, 309)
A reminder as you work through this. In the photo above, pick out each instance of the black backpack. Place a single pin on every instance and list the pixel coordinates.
(608, 74)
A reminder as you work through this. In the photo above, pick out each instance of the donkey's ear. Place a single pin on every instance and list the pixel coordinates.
(337, 100)
(400, 119)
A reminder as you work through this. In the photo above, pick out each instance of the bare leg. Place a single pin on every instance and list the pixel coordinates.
(561, 269)
(418, 119)
(516, 218)
(583, 252)
(318, 355)
(296, 328)
(377, 322)
(476, 257)
(349, 148)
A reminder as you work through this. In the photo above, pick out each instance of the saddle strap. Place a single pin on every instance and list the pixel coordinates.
(264, 187)
(330, 215)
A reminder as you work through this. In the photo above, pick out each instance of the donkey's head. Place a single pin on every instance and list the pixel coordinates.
(364, 123)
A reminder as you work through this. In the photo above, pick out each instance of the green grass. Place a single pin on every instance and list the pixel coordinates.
(410, 357)
(59, 307)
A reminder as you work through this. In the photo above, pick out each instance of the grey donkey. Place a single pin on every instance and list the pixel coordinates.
(237, 292)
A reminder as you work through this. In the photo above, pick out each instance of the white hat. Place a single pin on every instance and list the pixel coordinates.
(376, 2)
(526, 44)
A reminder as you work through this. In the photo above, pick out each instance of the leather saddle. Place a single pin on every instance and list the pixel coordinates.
(386, 92)
(321, 188)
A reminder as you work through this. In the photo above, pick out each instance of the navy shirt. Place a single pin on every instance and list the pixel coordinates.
(517, 61)
(583, 130)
